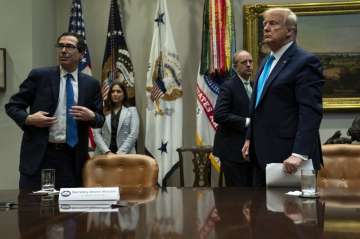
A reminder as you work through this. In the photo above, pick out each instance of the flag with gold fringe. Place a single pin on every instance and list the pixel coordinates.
(164, 93)
(117, 65)
(218, 46)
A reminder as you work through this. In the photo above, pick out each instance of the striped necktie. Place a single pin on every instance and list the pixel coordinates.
(71, 127)
(263, 77)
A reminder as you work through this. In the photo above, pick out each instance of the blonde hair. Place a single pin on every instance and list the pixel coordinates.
(289, 16)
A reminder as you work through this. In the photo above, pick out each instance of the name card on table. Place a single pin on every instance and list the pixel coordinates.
(88, 206)
(89, 194)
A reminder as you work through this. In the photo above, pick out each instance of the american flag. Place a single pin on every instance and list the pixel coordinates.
(158, 88)
(117, 65)
(77, 25)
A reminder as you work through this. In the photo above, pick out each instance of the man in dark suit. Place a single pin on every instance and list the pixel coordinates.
(232, 116)
(55, 129)
(286, 107)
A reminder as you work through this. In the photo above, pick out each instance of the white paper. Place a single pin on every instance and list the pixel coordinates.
(86, 194)
(276, 177)
(44, 192)
(294, 193)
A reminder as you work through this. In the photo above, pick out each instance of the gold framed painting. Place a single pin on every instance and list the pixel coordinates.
(329, 30)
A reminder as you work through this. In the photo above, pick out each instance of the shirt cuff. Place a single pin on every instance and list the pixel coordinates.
(302, 157)
(247, 122)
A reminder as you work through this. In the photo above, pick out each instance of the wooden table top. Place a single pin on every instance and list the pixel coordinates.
(186, 213)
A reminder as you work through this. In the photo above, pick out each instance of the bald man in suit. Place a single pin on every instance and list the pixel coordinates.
(232, 115)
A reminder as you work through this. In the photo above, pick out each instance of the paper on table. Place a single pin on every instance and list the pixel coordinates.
(276, 177)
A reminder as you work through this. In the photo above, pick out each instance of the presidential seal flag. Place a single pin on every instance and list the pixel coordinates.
(77, 25)
(218, 45)
(117, 65)
(164, 93)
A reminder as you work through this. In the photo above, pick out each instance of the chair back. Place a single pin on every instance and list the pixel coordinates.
(125, 170)
(202, 166)
(341, 168)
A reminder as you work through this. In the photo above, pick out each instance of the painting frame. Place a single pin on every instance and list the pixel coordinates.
(2, 69)
(253, 31)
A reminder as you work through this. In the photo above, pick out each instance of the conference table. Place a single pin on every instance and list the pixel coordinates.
(184, 213)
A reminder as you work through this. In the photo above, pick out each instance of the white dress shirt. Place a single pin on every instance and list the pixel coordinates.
(57, 132)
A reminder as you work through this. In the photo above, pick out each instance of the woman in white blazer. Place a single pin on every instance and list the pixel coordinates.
(121, 128)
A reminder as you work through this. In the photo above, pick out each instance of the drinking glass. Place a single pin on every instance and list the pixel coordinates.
(308, 182)
(48, 179)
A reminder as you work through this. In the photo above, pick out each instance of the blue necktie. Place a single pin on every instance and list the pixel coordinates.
(263, 77)
(71, 127)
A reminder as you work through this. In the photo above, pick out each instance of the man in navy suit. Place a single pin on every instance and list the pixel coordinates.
(286, 106)
(55, 129)
(232, 115)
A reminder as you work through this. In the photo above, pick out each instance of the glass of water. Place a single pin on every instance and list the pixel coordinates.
(308, 182)
(48, 179)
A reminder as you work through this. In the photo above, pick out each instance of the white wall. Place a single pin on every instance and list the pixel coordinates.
(36, 23)
(27, 32)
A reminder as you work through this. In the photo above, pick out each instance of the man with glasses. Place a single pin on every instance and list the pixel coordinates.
(63, 103)
(286, 106)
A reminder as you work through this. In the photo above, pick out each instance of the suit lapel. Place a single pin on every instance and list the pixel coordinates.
(81, 89)
(108, 121)
(241, 86)
(285, 58)
(123, 114)
(55, 86)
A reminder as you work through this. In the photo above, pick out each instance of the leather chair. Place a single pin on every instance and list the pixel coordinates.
(340, 174)
(125, 170)
(202, 165)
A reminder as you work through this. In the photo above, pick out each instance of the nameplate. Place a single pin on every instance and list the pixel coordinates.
(88, 206)
(87, 194)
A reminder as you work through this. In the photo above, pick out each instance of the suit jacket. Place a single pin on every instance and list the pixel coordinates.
(127, 132)
(231, 110)
(40, 91)
(289, 113)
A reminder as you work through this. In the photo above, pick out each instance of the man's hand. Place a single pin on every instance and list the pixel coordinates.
(82, 113)
(291, 164)
(40, 119)
(245, 150)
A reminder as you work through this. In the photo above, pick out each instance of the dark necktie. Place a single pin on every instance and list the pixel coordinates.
(71, 127)
(263, 77)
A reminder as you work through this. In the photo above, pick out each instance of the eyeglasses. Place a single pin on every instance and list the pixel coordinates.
(67, 46)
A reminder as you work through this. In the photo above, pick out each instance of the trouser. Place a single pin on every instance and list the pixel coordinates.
(237, 174)
(59, 157)
(259, 176)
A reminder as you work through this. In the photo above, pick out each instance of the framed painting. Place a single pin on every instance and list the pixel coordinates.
(2, 69)
(329, 30)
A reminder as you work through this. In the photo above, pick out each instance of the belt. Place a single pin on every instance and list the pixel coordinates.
(58, 146)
